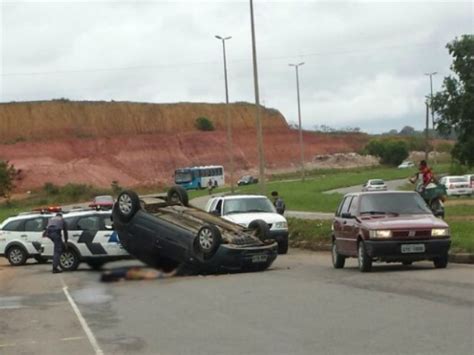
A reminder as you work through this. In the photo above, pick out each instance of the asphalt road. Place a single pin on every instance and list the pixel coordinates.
(391, 185)
(300, 306)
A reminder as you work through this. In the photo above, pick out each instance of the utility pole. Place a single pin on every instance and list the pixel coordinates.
(427, 136)
(261, 158)
(432, 114)
(227, 116)
(299, 117)
(431, 96)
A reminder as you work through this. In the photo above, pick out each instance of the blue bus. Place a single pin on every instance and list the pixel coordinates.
(197, 177)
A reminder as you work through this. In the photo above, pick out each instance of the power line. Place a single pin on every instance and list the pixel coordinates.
(141, 67)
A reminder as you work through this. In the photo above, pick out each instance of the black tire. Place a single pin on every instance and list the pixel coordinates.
(178, 194)
(69, 260)
(40, 259)
(16, 255)
(364, 261)
(260, 229)
(406, 263)
(441, 262)
(127, 205)
(283, 246)
(96, 264)
(208, 239)
(338, 260)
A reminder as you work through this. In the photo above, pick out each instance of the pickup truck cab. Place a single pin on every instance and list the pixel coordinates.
(246, 209)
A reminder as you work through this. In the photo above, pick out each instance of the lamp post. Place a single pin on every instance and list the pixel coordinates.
(431, 95)
(261, 158)
(227, 116)
(432, 113)
(299, 116)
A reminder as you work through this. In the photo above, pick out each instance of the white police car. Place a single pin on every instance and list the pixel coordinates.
(91, 239)
(21, 237)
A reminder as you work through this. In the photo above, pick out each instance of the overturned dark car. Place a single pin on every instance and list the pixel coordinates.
(165, 232)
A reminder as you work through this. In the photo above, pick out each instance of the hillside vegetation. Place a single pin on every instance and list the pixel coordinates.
(24, 121)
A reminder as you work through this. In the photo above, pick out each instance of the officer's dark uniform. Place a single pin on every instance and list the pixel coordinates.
(53, 230)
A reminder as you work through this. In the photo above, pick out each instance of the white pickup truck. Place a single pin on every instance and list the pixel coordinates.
(244, 209)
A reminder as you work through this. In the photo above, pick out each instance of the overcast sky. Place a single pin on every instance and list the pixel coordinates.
(364, 61)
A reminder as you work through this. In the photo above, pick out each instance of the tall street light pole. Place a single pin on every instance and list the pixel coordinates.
(432, 112)
(227, 116)
(299, 116)
(261, 158)
(431, 95)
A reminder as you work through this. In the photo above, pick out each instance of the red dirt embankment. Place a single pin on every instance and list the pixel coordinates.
(138, 144)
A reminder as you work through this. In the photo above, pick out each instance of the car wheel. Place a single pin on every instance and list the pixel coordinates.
(364, 261)
(208, 239)
(283, 246)
(127, 205)
(178, 194)
(95, 264)
(69, 260)
(40, 259)
(338, 260)
(260, 229)
(406, 263)
(16, 255)
(441, 262)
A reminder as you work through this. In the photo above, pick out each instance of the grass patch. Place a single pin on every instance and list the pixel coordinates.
(309, 196)
(309, 234)
(462, 236)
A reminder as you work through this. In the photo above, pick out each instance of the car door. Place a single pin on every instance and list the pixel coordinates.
(34, 228)
(109, 238)
(339, 226)
(84, 234)
(351, 227)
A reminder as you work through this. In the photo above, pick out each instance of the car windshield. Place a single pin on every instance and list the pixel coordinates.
(182, 176)
(393, 203)
(377, 182)
(244, 205)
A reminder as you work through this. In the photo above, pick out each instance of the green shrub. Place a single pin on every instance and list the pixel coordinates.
(204, 124)
(391, 152)
(50, 188)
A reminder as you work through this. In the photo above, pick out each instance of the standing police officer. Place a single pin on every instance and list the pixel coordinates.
(56, 224)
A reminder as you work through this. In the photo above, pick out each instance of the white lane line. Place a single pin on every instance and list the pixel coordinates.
(85, 326)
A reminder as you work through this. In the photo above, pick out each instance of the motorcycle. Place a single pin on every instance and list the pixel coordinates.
(433, 194)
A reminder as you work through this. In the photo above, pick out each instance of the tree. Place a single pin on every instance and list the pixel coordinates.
(7, 177)
(407, 131)
(454, 104)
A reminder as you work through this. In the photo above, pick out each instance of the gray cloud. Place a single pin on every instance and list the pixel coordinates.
(364, 60)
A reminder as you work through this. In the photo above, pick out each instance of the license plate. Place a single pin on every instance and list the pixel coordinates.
(259, 258)
(413, 248)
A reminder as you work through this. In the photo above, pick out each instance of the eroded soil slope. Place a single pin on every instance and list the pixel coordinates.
(139, 149)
